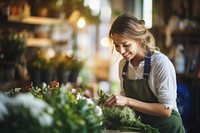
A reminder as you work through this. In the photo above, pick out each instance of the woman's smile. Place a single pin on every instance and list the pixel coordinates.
(127, 55)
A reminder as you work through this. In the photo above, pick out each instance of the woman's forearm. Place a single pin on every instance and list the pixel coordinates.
(154, 109)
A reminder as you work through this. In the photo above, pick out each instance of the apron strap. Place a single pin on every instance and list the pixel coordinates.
(125, 70)
(147, 64)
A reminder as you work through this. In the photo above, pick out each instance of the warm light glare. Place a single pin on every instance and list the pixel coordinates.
(105, 13)
(147, 12)
(105, 42)
(94, 6)
(81, 22)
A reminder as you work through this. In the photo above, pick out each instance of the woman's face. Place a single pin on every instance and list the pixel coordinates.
(127, 47)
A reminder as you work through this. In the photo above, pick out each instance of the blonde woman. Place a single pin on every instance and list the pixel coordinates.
(148, 78)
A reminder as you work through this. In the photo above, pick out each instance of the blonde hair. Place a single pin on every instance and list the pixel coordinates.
(129, 26)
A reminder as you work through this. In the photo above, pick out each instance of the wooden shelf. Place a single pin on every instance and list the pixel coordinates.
(5, 86)
(35, 20)
(187, 32)
(38, 42)
(188, 75)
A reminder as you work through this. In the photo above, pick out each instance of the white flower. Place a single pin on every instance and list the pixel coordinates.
(99, 111)
(3, 109)
(36, 106)
(17, 90)
(45, 120)
(89, 101)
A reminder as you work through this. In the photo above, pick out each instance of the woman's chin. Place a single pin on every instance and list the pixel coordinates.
(127, 58)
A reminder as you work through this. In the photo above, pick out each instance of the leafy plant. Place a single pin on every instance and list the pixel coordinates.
(122, 118)
(72, 113)
(12, 45)
(35, 62)
(18, 115)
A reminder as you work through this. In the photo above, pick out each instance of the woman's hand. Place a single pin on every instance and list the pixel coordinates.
(116, 100)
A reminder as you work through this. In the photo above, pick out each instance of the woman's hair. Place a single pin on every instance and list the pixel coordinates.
(129, 26)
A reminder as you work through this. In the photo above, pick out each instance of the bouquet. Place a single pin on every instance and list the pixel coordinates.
(64, 108)
(122, 118)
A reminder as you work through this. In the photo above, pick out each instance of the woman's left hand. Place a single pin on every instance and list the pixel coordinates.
(116, 100)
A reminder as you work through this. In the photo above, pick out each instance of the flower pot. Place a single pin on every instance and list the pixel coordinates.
(48, 76)
(9, 73)
(35, 77)
(73, 76)
(63, 76)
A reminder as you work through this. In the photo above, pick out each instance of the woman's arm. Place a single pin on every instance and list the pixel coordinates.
(154, 109)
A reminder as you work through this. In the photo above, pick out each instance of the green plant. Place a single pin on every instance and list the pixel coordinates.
(18, 115)
(122, 118)
(12, 46)
(72, 113)
(35, 62)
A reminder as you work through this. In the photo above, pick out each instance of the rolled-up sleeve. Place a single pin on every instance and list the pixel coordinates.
(165, 83)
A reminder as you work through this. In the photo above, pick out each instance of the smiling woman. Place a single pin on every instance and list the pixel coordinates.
(151, 88)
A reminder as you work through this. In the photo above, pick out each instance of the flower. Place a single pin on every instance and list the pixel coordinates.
(70, 111)
(22, 112)
(122, 118)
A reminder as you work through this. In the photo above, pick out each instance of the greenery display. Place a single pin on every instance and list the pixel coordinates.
(72, 112)
(122, 118)
(63, 109)
(12, 45)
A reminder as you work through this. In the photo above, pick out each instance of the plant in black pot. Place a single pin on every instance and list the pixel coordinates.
(48, 71)
(34, 65)
(64, 68)
(13, 46)
(77, 65)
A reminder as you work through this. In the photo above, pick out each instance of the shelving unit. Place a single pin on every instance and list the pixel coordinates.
(35, 20)
(29, 22)
(189, 37)
(38, 42)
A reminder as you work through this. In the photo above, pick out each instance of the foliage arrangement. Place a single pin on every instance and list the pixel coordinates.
(13, 45)
(68, 62)
(122, 118)
(24, 113)
(35, 62)
(72, 112)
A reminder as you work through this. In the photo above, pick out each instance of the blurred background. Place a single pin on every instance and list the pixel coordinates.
(67, 41)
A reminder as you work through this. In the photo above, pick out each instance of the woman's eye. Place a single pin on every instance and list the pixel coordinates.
(116, 46)
(126, 45)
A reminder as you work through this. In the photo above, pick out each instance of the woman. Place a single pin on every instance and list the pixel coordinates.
(148, 78)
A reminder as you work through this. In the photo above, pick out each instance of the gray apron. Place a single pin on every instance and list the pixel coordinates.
(139, 89)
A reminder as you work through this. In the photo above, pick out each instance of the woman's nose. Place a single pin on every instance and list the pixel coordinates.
(121, 50)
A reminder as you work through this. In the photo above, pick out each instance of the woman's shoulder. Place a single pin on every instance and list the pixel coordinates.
(159, 57)
(161, 60)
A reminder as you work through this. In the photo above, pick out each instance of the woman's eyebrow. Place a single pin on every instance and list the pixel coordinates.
(120, 43)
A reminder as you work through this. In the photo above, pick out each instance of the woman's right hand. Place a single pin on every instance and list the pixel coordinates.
(116, 100)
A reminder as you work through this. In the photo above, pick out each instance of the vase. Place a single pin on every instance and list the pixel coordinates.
(63, 76)
(35, 77)
(48, 76)
(73, 76)
(9, 73)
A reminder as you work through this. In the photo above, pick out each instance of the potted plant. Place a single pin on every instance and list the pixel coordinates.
(64, 68)
(13, 46)
(57, 109)
(34, 65)
(48, 71)
(77, 65)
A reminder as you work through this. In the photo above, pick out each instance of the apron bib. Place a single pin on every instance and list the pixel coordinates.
(139, 89)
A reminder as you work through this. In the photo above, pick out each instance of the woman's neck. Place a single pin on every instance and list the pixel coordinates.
(135, 61)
